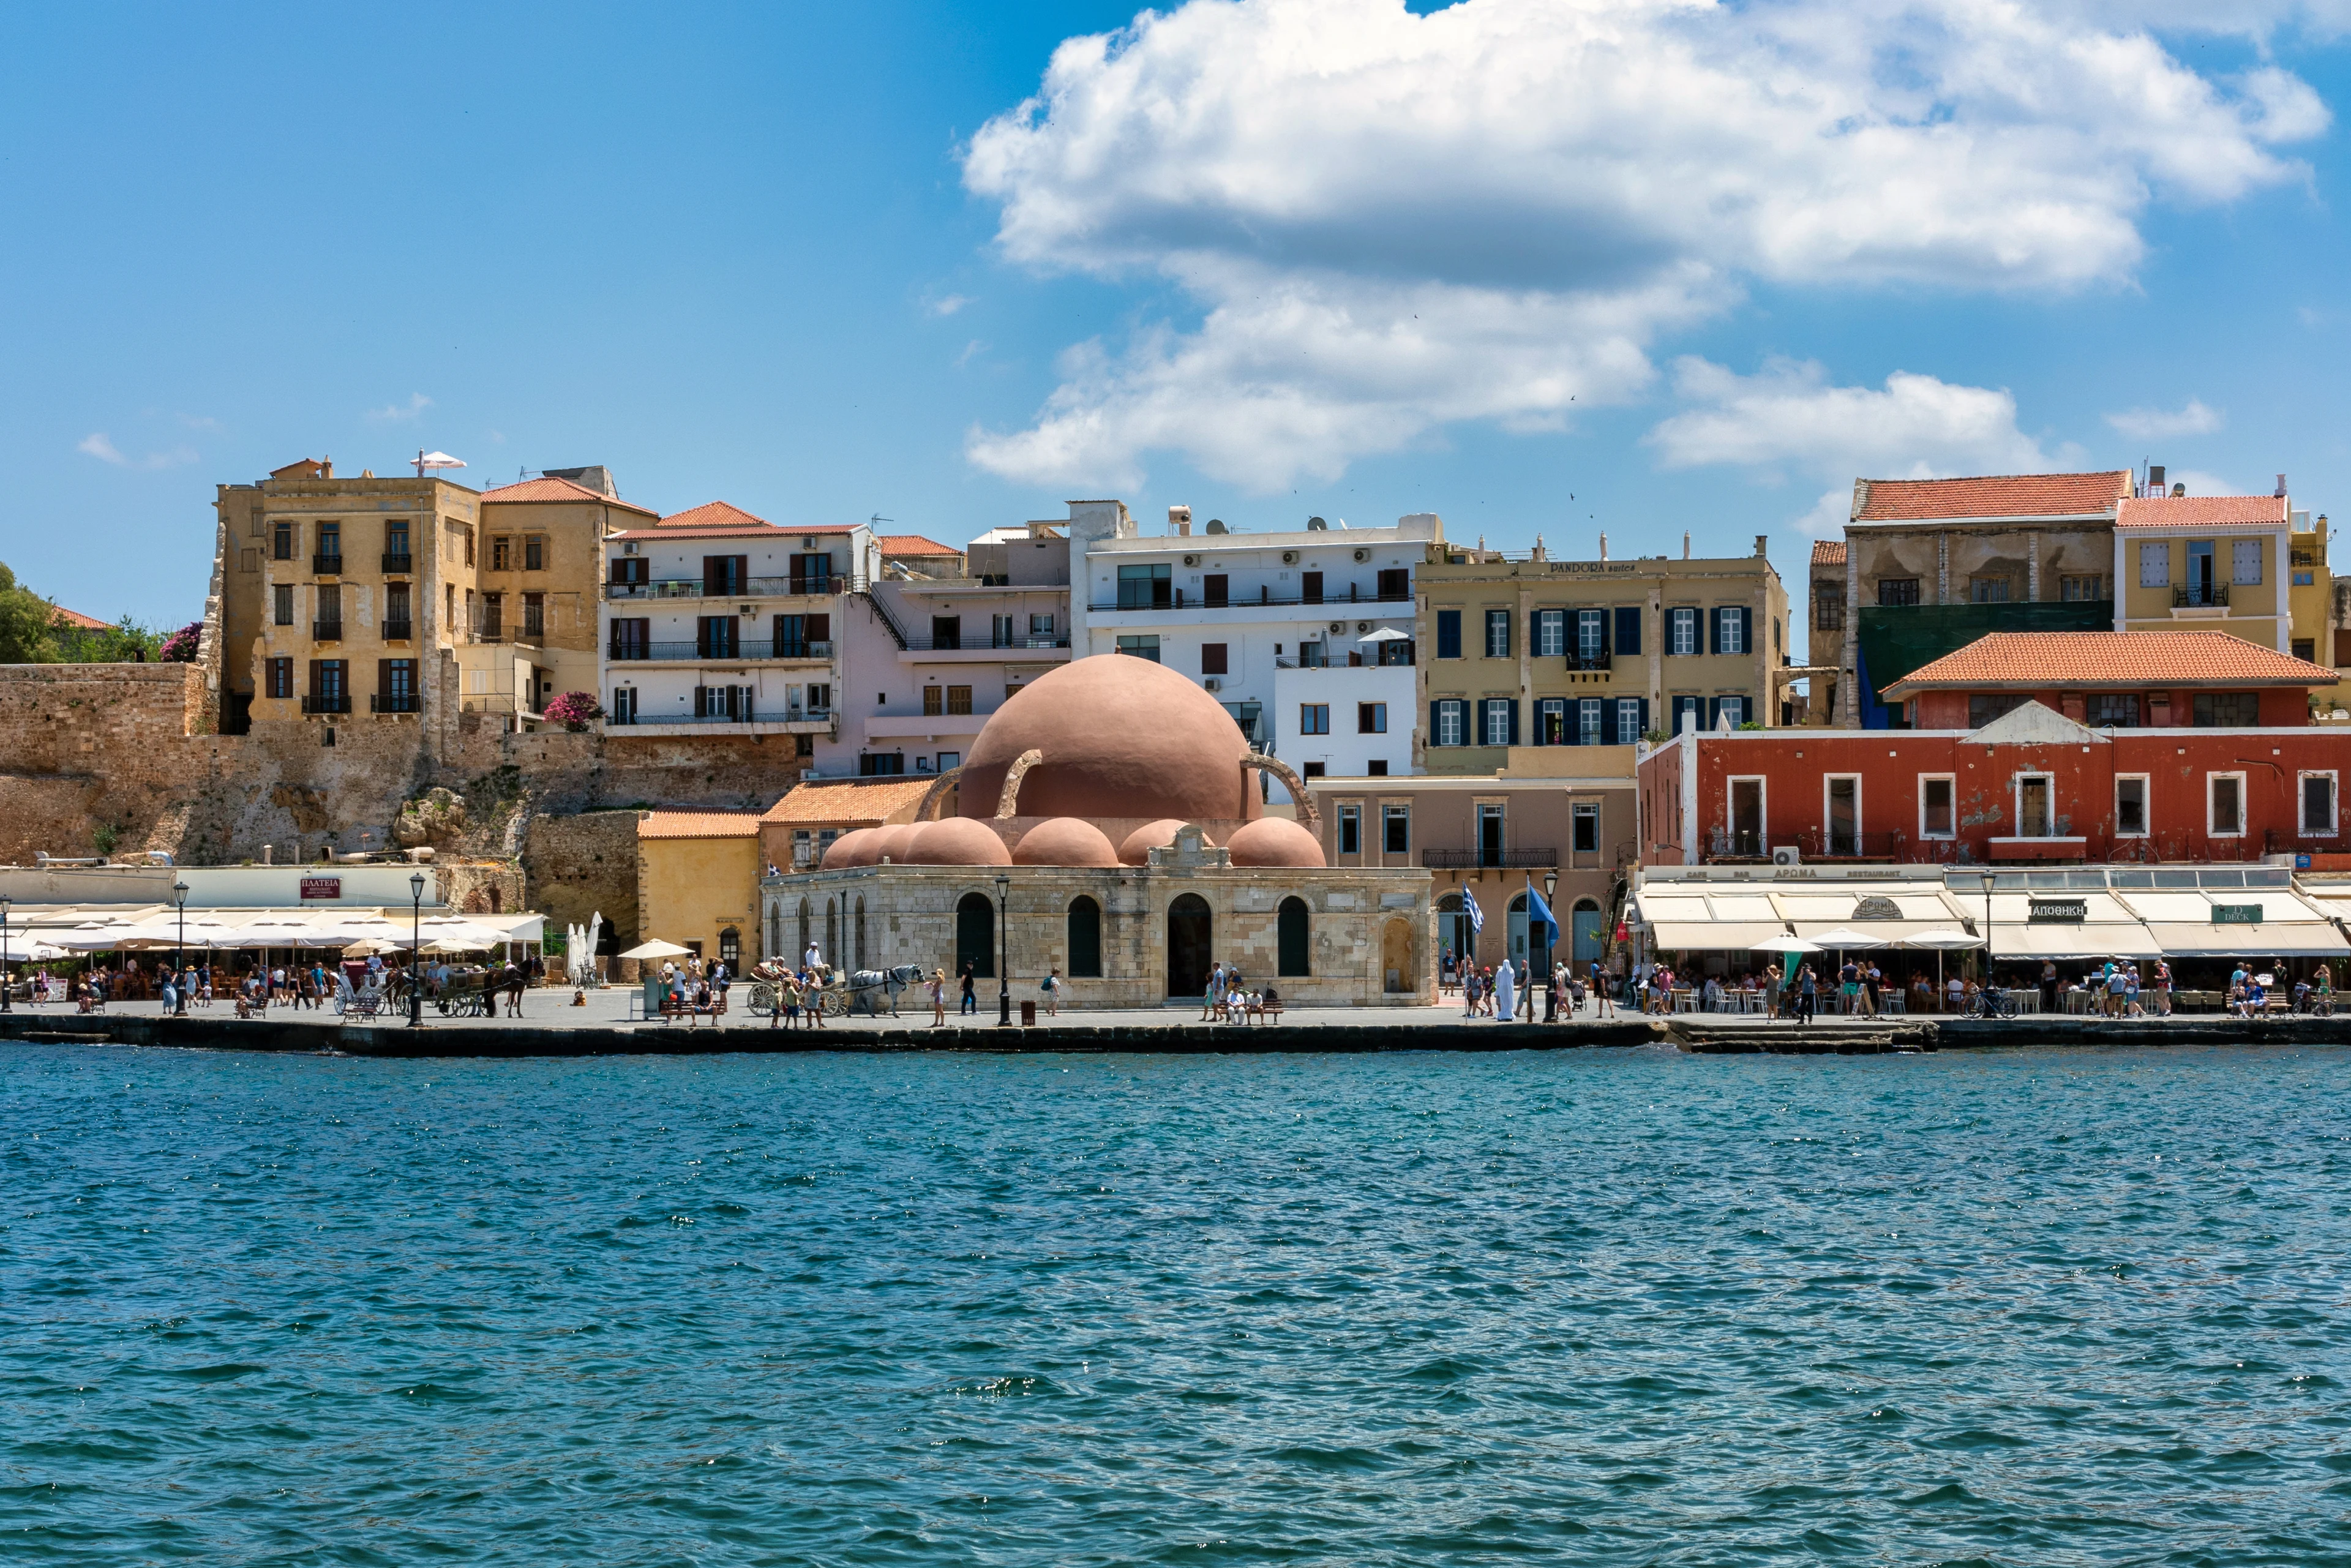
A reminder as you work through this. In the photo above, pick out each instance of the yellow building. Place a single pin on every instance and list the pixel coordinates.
(698, 882)
(2213, 562)
(532, 627)
(2317, 609)
(340, 597)
(1541, 652)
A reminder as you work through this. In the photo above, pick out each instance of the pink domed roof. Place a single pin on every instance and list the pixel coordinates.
(1122, 737)
(1064, 840)
(1152, 836)
(892, 843)
(954, 840)
(853, 848)
(1275, 841)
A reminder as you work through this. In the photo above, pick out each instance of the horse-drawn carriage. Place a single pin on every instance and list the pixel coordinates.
(837, 995)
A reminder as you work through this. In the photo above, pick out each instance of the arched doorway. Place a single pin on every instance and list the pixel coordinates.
(1085, 939)
(1291, 934)
(832, 930)
(1455, 930)
(775, 930)
(1189, 940)
(859, 927)
(803, 948)
(1397, 971)
(976, 934)
(1588, 931)
(1519, 932)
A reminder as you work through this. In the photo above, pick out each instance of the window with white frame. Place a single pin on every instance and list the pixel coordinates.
(1451, 718)
(1551, 633)
(2245, 561)
(2318, 805)
(2224, 805)
(1681, 631)
(2154, 565)
(2130, 805)
(1937, 809)
(1495, 723)
(1628, 720)
(1591, 633)
(1733, 708)
(1585, 826)
(1498, 633)
(2036, 806)
(1730, 629)
(1588, 721)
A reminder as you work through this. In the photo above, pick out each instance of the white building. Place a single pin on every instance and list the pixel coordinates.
(1239, 611)
(717, 622)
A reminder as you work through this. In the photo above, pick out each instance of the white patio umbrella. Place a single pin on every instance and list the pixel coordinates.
(1386, 635)
(1785, 945)
(1941, 941)
(1845, 936)
(656, 949)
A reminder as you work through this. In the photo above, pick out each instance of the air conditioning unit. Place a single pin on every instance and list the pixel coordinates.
(1289, 558)
(1363, 555)
(1362, 625)
(629, 547)
(1337, 627)
(1191, 560)
(1213, 684)
(1787, 854)
(751, 609)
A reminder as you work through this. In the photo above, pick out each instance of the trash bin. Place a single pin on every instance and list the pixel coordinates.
(1027, 1015)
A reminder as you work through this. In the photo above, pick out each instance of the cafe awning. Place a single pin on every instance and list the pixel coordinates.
(1701, 935)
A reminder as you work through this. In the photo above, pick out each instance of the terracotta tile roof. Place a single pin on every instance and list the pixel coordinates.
(546, 490)
(75, 618)
(851, 800)
(2038, 661)
(698, 825)
(1990, 496)
(914, 544)
(1828, 552)
(2203, 512)
(717, 519)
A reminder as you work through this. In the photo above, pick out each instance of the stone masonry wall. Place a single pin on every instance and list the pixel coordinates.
(582, 866)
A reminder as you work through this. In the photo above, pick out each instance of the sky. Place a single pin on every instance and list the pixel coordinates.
(1546, 268)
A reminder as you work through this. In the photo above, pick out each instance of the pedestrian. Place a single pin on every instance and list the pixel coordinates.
(1506, 990)
(2048, 984)
(938, 998)
(970, 1003)
(1052, 987)
(1470, 991)
(812, 998)
(1807, 994)
(1771, 978)
(1601, 1006)
(2322, 992)
(1870, 982)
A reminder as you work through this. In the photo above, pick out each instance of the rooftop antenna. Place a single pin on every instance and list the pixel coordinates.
(877, 519)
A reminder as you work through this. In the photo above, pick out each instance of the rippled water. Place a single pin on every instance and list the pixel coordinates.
(2024, 1307)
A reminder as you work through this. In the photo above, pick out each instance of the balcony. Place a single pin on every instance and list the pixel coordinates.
(690, 651)
(1179, 600)
(1400, 659)
(327, 565)
(1818, 844)
(786, 716)
(1600, 661)
(750, 588)
(2201, 597)
(399, 631)
(979, 645)
(1736, 845)
(1481, 859)
(398, 563)
(395, 702)
(325, 631)
(338, 702)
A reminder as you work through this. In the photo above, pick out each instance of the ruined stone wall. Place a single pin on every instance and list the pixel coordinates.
(582, 866)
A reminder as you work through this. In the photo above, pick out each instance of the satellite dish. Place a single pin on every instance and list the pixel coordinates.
(424, 460)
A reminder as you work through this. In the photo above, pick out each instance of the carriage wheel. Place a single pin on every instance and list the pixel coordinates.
(763, 1001)
(835, 1004)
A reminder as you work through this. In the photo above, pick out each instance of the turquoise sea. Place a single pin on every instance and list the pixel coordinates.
(2030, 1307)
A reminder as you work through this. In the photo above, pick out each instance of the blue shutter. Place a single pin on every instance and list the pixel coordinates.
(1514, 721)
(1747, 627)
(1433, 707)
(1628, 630)
(1449, 633)
(1707, 719)
(1712, 642)
(1644, 713)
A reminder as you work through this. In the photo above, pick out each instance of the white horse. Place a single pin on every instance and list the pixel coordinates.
(865, 982)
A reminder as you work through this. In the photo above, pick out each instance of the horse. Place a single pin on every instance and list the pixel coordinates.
(865, 982)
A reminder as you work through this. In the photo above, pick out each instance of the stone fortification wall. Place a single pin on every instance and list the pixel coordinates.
(582, 866)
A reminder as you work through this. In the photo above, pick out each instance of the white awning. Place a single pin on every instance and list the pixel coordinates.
(1702, 936)
(2115, 940)
(2271, 939)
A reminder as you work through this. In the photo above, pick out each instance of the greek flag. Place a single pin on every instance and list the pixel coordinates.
(1477, 916)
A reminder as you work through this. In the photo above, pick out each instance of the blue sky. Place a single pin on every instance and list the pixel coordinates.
(1324, 256)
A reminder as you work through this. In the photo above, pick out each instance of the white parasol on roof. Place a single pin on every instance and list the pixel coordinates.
(424, 460)
(1386, 635)
(1941, 941)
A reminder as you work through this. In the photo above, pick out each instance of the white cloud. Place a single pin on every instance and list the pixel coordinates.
(948, 305)
(1390, 222)
(2163, 425)
(1789, 420)
(97, 445)
(417, 403)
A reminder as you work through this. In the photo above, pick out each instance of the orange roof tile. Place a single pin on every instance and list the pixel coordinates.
(1828, 552)
(851, 800)
(1990, 496)
(547, 489)
(698, 825)
(914, 544)
(714, 515)
(2036, 660)
(2203, 512)
(75, 618)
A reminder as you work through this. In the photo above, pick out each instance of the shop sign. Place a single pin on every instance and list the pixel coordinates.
(2058, 911)
(2236, 915)
(322, 887)
(1874, 908)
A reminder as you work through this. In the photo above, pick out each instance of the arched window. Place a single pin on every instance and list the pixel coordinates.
(832, 930)
(1455, 931)
(976, 935)
(775, 929)
(1586, 930)
(1190, 933)
(1290, 924)
(1085, 939)
(804, 932)
(730, 947)
(861, 931)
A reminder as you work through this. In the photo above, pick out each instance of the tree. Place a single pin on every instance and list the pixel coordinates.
(27, 622)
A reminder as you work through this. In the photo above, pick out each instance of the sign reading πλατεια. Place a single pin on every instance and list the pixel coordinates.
(322, 887)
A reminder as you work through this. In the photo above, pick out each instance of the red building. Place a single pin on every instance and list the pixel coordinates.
(2112, 679)
(2031, 786)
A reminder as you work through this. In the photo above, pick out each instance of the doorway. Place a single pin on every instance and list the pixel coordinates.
(1188, 945)
(1455, 930)
(1489, 835)
(1843, 815)
(1746, 817)
(1290, 937)
(1587, 931)
(1519, 932)
(976, 935)
(1395, 958)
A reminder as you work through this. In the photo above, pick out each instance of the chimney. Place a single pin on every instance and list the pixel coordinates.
(2155, 479)
(2280, 490)
(1538, 547)
(1179, 520)
(1603, 546)
(1686, 555)
(1761, 552)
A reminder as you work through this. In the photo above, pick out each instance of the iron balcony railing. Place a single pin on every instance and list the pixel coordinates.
(398, 562)
(328, 565)
(2199, 596)
(749, 588)
(1735, 844)
(340, 702)
(789, 716)
(693, 650)
(1600, 661)
(325, 631)
(1818, 844)
(982, 644)
(1182, 598)
(398, 631)
(1513, 859)
(1402, 659)
(394, 702)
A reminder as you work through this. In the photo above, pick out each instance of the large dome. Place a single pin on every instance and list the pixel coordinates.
(1122, 737)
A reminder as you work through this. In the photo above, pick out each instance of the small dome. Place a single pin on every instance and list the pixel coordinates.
(1120, 738)
(954, 840)
(893, 843)
(1064, 840)
(1152, 836)
(853, 848)
(1275, 841)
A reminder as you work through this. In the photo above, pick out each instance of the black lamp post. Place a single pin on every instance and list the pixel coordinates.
(1004, 951)
(1987, 876)
(415, 951)
(179, 953)
(4, 955)
(1550, 969)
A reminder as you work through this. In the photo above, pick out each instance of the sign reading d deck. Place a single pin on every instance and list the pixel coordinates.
(2236, 915)
(2058, 911)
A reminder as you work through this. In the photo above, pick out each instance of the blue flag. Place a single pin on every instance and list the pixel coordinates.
(1539, 917)
(1477, 916)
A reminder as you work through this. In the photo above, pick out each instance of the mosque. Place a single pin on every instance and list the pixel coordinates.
(1109, 818)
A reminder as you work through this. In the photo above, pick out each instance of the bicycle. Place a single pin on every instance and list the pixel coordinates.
(1992, 1004)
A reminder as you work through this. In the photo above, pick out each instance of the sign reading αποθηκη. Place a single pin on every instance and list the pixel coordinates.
(2058, 911)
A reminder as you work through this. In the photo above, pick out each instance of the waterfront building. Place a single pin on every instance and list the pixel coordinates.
(697, 882)
(531, 630)
(717, 622)
(1314, 618)
(794, 833)
(1534, 652)
(1109, 824)
(2123, 680)
(932, 648)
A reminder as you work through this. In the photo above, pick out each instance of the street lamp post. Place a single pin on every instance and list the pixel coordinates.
(1550, 969)
(415, 950)
(4, 954)
(1003, 952)
(179, 953)
(1987, 876)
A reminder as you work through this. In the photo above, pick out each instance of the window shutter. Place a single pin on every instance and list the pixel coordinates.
(1604, 619)
(1713, 630)
(1746, 629)
(1643, 711)
(1435, 729)
(1628, 629)
(1514, 721)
